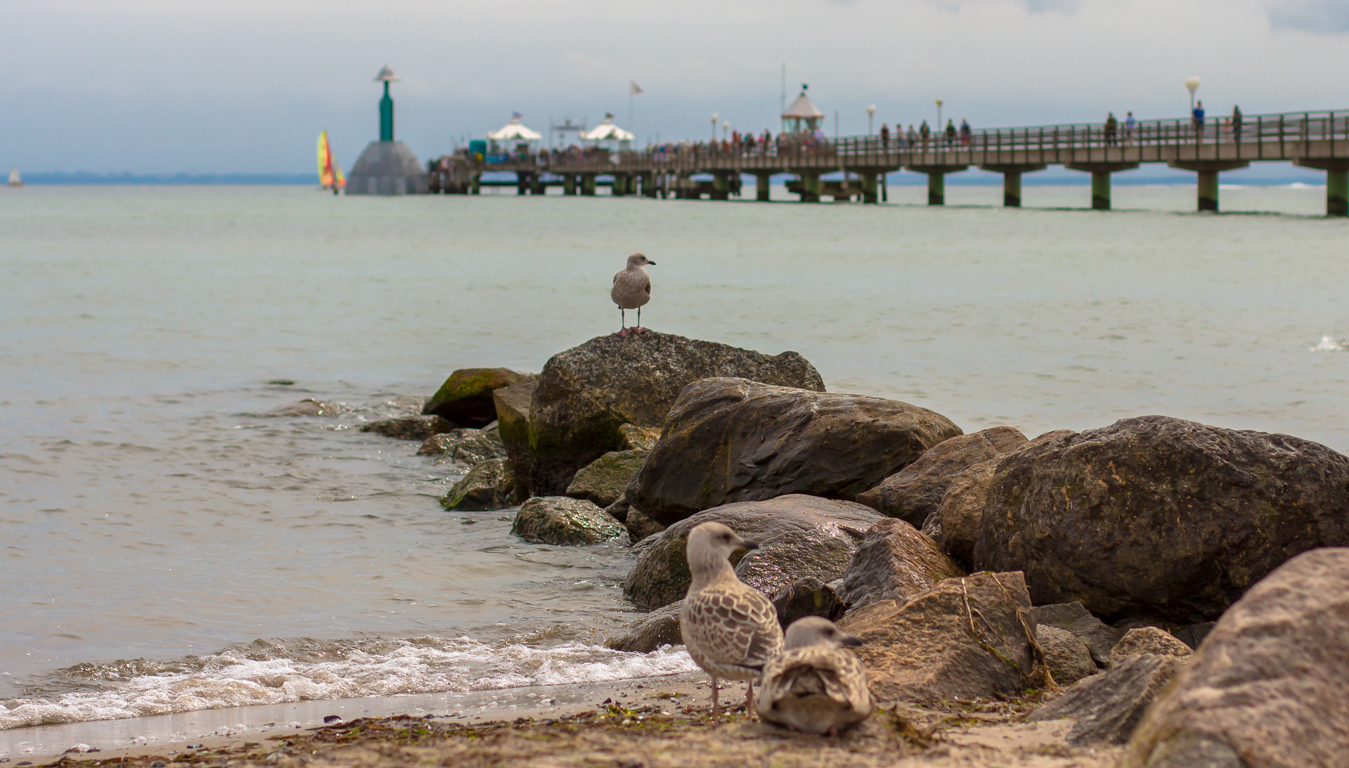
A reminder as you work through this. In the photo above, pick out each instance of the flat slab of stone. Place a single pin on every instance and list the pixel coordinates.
(1107, 707)
(409, 427)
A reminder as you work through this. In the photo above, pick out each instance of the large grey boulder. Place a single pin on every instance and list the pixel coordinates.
(965, 637)
(798, 536)
(489, 485)
(1159, 516)
(728, 440)
(1107, 707)
(1269, 686)
(512, 406)
(893, 562)
(565, 521)
(915, 492)
(587, 393)
(465, 399)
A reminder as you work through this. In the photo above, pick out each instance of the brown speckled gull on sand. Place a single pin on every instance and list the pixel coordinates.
(816, 685)
(632, 289)
(730, 629)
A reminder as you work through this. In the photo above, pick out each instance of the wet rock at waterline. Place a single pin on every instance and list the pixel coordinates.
(465, 399)
(465, 447)
(408, 427)
(512, 410)
(1270, 683)
(894, 561)
(658, 628)
(965, 637)
(489, 485)
(798, 536)
(565, 521)
(1068, 658)
(603, 480)
(915, 492)
(729, 440)
(587, 393)
(639, 525)
(1107, 707)
(306, 407)
(1159, 516)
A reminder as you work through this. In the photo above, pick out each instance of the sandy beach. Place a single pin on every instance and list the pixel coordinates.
(652, 722)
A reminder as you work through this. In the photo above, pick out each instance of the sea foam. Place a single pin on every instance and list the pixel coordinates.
(383, 668)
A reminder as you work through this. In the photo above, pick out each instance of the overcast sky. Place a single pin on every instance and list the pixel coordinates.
(161, 86)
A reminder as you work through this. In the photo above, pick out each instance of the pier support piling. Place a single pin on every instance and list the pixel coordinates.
(569, 184)
(936, 180)
(721, 187)
(1100, 180)
(1337, 183)
(1208, 178)
(588, 184)
(761, 187)
(620, 186)
(870, 184)
(1011, 180)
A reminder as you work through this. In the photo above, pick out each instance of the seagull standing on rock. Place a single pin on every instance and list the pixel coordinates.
(632, 289)
(730, 629)
(815, 686)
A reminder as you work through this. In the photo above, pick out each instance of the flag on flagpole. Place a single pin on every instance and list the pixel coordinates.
(636, 89)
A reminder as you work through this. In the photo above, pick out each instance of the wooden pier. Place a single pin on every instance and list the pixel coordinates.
(1318, 140)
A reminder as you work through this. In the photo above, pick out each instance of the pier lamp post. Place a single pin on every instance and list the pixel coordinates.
(1193, 85)
(938, 114)
(725, 128)
(871, 112)
(715, 117)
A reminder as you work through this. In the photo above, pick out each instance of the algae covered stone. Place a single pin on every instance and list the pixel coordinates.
(409, 427)
(565, 521)
(489, 485)
(603, 480)
(465, 399)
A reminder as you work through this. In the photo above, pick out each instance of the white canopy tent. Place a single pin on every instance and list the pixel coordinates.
(514, 131)
(607, 131)
(803, 110)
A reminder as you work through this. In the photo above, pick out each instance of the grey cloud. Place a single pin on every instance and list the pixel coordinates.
(1033, 7)
(1324, 16)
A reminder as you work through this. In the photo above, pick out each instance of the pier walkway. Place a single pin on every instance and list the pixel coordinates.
(1318, 140)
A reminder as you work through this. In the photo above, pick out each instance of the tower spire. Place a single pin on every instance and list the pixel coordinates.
(386, 76)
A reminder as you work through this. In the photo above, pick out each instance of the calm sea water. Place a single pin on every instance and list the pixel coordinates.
(166, 545)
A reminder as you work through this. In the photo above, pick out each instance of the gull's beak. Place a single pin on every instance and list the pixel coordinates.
(851, 640)
(650, 262)
(750, 545)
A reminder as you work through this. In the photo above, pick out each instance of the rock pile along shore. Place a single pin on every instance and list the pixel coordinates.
(1095, 567)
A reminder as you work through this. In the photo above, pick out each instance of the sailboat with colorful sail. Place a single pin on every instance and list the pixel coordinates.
(330, 173)
(14, 180)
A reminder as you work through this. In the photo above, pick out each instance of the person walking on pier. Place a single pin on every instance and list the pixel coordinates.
(1130, 126)
(912, 137)
(950, 133)
(1236, 123)
(885, 137)
(1111, 128)
(965, 135)
(1198, 118)
(925, 133)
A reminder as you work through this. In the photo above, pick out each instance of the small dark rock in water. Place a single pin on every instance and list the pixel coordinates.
(565, 521)
(282, 382)
(807, 597)
(658, 628)
(332, 719)
(489, 485)
(409, 427)
(466, 396)
(1108, 707)
(465, 447)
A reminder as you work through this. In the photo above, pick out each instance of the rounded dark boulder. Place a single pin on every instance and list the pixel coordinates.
(729, 440)
(1157, 516)
(798, 537)
(586, 394)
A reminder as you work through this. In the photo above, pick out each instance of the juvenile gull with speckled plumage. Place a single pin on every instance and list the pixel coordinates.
(632, 289)
(730, 629)
(816, 685)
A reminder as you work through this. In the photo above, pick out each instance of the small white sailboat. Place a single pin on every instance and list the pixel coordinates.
(14, 180)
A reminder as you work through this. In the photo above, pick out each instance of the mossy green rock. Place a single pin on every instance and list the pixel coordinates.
(565, 521)
(465, 399)
(512, 406)
(489, 485)
(603, 480)
(466, 447)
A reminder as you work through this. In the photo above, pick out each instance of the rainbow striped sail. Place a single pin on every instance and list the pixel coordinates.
(330, 173)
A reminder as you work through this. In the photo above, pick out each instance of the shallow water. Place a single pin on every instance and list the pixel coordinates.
(166, 545)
